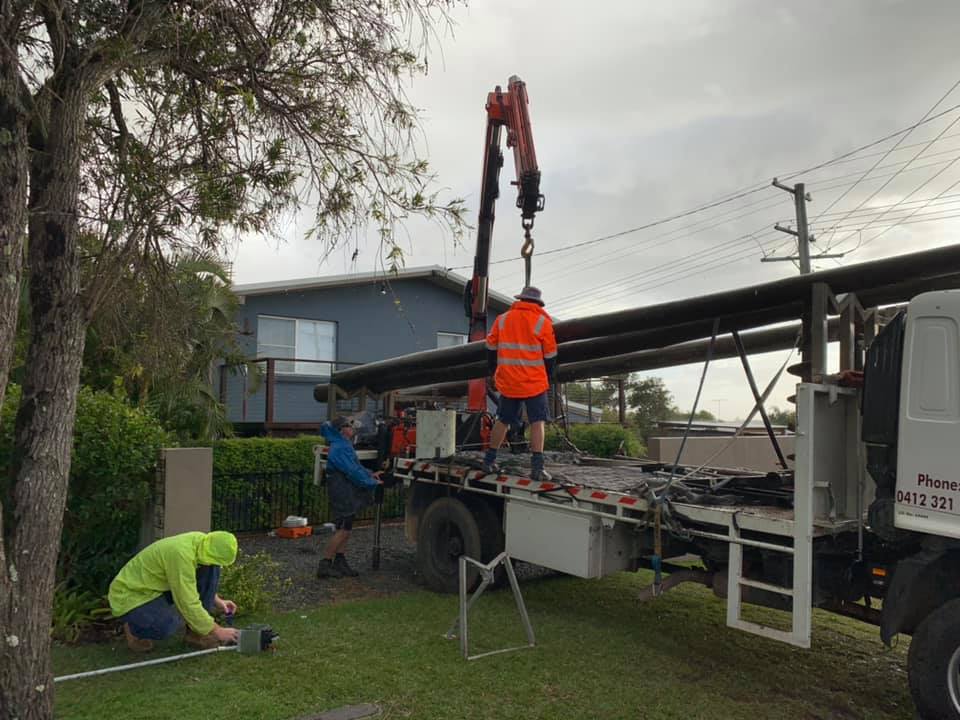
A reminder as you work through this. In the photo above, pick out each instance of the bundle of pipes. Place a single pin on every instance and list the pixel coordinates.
(614, 334)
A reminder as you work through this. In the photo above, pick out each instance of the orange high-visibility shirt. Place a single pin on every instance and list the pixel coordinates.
(523, 338)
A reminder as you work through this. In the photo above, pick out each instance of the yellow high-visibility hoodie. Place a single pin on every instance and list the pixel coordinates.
(171, 565)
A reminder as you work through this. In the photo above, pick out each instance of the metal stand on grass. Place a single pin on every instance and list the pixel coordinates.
(486, 579)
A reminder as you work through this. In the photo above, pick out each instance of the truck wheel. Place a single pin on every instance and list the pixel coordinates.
(492, 539)
(933, 664)
(447, 530)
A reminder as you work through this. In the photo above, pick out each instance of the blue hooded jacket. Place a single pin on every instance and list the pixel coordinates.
(343, 457)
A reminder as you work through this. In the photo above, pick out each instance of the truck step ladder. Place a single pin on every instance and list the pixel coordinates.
(800, 532)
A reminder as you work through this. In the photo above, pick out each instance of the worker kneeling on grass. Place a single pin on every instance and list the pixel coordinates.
(171, 581)
(522, 357)
(350, 487)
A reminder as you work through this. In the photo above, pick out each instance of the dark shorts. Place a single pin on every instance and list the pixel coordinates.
(346, 499)
(538, 409)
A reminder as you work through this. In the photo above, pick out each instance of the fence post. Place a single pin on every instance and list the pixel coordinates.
(268, 395)
(300, 495)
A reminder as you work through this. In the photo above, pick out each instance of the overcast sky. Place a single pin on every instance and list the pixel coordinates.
(641, 110)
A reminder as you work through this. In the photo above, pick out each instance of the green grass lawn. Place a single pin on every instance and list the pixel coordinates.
(600, 654)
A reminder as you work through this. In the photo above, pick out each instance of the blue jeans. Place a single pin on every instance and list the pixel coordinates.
(160, 619)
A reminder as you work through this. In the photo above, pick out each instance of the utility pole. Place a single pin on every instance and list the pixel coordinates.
(804, 238)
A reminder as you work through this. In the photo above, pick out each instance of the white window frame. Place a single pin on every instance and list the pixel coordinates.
(465, 336)
(321, 368)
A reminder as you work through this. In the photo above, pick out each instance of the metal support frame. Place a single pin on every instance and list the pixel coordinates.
(487, 571)
(758, 399)
(851, 328)
(816, 332)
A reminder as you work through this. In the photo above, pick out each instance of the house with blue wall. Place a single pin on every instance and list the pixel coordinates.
(299, 331)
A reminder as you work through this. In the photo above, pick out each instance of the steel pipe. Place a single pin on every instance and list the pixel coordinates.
(878, 282)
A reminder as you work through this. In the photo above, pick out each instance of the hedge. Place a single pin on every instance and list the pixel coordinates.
(115, 452)
(600, 440)
(259, 481)
(260, 455)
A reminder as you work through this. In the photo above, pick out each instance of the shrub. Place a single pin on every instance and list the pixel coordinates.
(115, 451)
(74, 611)
(254, 583)
(601, 440)
(253, 455)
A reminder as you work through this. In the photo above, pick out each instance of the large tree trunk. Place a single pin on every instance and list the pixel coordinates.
(14, 172)
(44, 425)
(13, 203)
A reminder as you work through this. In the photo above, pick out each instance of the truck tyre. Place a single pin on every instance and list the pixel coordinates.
(492, 539)
(447, 530)
(933, 664)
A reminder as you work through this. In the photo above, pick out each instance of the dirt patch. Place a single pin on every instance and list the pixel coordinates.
(298, 559)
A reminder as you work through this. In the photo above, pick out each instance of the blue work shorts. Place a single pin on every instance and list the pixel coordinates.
(538, 409)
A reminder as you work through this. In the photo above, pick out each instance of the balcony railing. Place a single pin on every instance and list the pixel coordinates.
(274, 371)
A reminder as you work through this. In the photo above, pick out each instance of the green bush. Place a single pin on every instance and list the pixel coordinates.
(600, 440)
(75, 610)
(257, 455)
(259, 481)
(115, 451)
(254, 583)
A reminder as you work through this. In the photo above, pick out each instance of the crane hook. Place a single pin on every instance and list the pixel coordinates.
(526, 252)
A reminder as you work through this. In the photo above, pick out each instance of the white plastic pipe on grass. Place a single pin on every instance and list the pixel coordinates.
(145, 663)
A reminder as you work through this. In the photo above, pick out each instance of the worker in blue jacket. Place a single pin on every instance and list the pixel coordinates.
(350, 488)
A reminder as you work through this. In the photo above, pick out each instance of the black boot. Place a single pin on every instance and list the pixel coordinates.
(537, 473)
(328, 569)
(490, 462)
(340, 563)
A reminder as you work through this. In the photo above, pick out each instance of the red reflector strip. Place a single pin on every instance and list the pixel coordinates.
(597, 495)
(628, 501)
(502, 478)
(547, 486)
(524, 482)
(574, 491)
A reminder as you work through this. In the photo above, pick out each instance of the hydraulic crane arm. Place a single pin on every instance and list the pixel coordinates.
(504, 110)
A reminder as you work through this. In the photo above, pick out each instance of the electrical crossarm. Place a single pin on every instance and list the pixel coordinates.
(505, 109)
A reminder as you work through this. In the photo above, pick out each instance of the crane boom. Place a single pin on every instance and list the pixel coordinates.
(505, 109)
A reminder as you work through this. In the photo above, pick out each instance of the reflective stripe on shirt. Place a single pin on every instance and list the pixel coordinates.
(519, 346)
(520, 361)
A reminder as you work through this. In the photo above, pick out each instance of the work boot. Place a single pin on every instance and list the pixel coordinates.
(537, 473)
(136, 644)
(327, 569)
(490, 462)
(201, 642)
(340, 563)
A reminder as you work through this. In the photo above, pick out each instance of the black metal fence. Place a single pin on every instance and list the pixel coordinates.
(249, 502)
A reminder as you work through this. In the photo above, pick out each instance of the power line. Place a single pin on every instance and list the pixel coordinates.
(902, 138)
(904, 221)
(770, 248)
(730, 197)
(912, 192)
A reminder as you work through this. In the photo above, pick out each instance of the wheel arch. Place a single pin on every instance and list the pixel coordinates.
(921, 583)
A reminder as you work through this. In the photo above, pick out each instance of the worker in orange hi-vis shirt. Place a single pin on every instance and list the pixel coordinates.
(522, 357)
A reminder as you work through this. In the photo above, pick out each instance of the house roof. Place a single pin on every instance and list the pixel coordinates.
(434, 273)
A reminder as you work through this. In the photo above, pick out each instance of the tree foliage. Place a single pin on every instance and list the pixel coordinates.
(160, 337)
(650, 401)
(135, 132)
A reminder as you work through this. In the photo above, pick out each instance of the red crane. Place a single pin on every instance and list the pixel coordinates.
(504, 110)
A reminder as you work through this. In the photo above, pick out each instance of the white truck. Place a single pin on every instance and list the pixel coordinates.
(867, 524)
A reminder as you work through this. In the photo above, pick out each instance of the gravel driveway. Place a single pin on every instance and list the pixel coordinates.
(298, 559)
